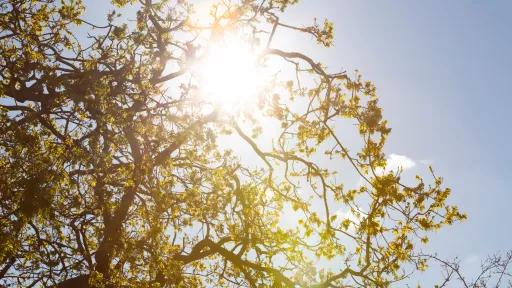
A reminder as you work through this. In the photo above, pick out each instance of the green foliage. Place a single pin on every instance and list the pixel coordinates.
(113, 172)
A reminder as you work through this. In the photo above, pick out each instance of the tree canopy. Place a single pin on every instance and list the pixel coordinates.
(114, 172)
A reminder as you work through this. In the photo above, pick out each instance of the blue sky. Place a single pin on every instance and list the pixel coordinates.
(442, 70)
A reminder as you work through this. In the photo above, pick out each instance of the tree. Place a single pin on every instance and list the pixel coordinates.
(113, 172)
(494, 272)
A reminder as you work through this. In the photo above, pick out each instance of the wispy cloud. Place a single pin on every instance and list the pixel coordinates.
(396, 163)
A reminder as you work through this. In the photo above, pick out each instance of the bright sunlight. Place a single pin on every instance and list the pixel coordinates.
(228, 73)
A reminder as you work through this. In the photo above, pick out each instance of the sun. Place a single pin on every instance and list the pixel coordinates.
(228, 72)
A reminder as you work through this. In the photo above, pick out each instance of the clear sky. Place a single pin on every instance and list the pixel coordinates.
(443, 73)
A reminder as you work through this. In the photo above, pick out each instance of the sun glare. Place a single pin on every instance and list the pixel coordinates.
(228, 73)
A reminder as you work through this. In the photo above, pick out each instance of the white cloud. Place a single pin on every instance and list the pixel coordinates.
(396, 163)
